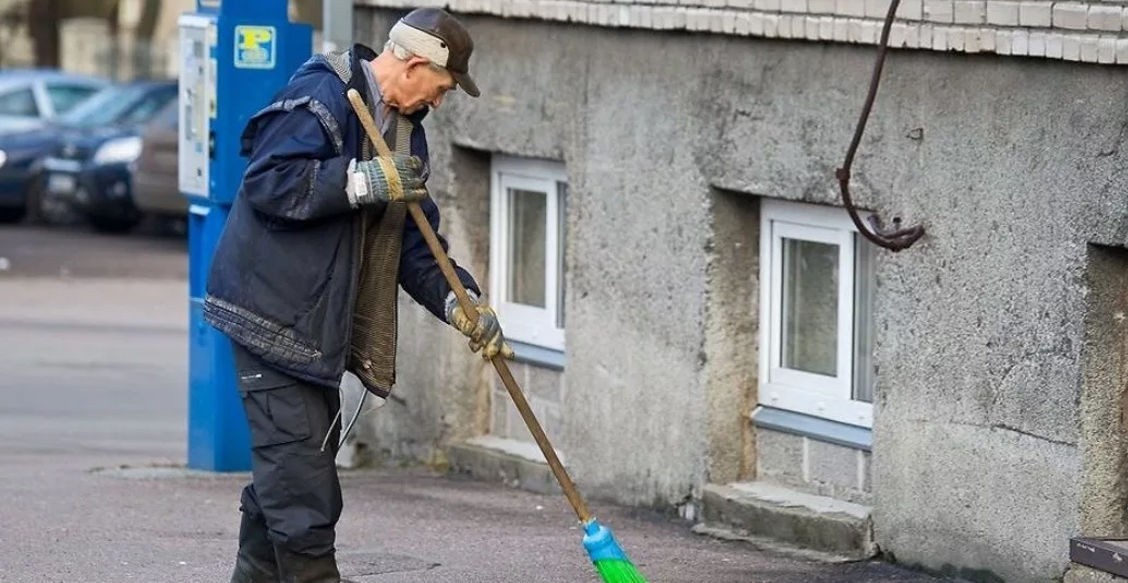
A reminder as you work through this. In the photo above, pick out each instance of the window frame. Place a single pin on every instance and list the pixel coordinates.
(800, 391)
(524, 323)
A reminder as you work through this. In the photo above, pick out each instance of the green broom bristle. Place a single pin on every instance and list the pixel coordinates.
(615, 571)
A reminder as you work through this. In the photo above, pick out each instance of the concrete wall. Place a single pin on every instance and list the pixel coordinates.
(979, 331)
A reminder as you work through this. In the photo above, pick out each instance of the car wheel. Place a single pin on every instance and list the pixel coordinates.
(107, 225)
(12, 214)
(45, 207)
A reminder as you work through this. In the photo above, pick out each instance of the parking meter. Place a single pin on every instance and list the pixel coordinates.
(234, 55)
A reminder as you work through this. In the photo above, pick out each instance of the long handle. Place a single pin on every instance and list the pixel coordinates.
(467, 304)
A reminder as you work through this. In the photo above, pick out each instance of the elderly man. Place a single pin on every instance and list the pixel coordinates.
(304, 278)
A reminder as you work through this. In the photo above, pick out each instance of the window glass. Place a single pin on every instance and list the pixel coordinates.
(20, 102)
(528, 212)
(65, 97)
(810, 306)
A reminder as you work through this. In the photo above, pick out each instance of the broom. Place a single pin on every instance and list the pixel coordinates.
(609, 559)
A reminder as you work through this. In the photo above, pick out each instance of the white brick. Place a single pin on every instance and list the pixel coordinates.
(987, 40)
(742, 4)
(897, 35)
(911, 9)
(912, 36)
(1020, 42)
(699, 19)
(718, 22)
(1003, 43)
(971, 40)
(1106, 51)
(1122, 51)
(877, 8)
(771, 5)
(826, 28)
(855, 35)
(841, 30)
(1002, 13)
(798, 27)
(940, 38)
(1090, 49)
(1054, 43)
(1037, 44)
(1071, 47)
(1035, 14)
(729, 18)
(744, 23)
(756, 24)
(1124, 21)
(1071, 15)
(783, 29)
(926, 31)
(938, 11)
(820, 6)
(956, 39)
(1105, 18)
(709, 3)
(796, 6)
(810, 28)
(850, 8)
(871, 31)
(771, 26)
(970, 12)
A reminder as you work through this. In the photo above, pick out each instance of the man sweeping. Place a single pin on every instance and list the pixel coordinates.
(305, 276)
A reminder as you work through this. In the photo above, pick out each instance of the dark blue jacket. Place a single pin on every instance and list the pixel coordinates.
(284, 277)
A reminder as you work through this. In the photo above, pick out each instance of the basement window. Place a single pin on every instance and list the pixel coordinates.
(816, 282)
(527, 240)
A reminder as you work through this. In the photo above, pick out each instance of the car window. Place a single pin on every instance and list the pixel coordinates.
(169, 117)
(20, 102)
(65, 97)
(148, 106)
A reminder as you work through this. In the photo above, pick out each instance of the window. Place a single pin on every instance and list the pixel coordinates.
(527, 235)
(65, 97)
(20, 102)
(816, 274)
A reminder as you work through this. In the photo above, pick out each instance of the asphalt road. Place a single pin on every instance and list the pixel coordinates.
(92, 446)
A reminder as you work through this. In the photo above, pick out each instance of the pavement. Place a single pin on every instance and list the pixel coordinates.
(93, 409)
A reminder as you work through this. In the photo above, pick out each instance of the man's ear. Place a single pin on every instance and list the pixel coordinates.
(413, 62)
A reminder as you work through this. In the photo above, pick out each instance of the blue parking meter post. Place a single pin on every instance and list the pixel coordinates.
(235, 54)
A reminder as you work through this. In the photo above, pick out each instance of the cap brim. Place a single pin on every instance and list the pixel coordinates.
(466, 83)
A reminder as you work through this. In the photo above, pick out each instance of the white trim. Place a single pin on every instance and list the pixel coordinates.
(420, 42)
(796, 390)
(529, 324)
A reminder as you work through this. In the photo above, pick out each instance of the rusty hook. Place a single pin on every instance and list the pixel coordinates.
(897, 238)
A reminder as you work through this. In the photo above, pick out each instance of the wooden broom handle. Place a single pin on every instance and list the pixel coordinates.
(468, 308)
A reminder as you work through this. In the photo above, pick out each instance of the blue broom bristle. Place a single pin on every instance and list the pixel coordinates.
(610, 560)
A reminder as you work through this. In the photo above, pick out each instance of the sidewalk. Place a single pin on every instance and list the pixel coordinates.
(405, 525)
(92, 489)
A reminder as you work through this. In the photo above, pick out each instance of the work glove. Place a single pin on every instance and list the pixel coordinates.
(383, 179)
(485, 334)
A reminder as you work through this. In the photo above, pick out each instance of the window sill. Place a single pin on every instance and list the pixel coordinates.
(537, 355)
(813, 427)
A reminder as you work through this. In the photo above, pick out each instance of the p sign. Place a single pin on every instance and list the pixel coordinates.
(255, 47)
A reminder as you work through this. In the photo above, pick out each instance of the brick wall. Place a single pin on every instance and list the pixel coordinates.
(1091, 32)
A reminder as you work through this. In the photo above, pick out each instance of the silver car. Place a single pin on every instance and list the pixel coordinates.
(31, 97)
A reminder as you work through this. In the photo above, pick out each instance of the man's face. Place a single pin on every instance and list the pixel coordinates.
(422, 85)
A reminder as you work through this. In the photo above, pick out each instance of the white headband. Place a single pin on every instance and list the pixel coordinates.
(421, 43)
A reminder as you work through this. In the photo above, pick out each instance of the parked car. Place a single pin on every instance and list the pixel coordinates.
(156, 182)
(22, 154)
(31, 97)
(92, 170)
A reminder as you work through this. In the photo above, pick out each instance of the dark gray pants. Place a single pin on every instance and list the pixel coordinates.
(294, 490)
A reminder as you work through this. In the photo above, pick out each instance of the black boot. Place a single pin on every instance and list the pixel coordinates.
(298, 568)
(255, 562)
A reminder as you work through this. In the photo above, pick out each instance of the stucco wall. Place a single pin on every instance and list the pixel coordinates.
(979, 328)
